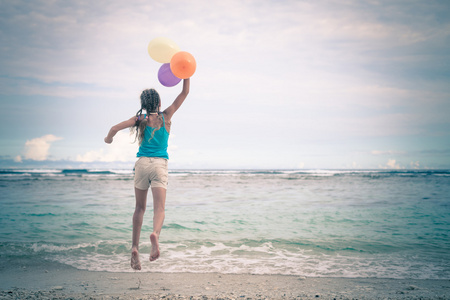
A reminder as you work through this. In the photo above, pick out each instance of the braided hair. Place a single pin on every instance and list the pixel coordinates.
(150, 102)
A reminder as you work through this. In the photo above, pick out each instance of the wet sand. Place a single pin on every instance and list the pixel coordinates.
(27, 280)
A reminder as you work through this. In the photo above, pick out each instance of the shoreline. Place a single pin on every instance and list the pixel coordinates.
(51, 280)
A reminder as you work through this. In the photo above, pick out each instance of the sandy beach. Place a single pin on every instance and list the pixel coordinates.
(28, 280)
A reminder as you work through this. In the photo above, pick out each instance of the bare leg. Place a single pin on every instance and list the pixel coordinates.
(138, 216)
(159, 203)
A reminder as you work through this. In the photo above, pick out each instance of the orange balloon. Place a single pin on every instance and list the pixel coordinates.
(183, 65)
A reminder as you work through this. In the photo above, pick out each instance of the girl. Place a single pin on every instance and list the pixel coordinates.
(152, 131)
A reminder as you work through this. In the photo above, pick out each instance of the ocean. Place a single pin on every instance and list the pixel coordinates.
(313, 223)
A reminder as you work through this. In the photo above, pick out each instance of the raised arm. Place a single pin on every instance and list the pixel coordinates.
(116, 128)
(178, 101)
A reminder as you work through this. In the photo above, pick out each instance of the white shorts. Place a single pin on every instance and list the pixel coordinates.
(151, 171)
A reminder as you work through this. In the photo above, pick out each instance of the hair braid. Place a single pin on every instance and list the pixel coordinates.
(150, 101)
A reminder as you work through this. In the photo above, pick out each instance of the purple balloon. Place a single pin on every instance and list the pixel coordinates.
(166, 76)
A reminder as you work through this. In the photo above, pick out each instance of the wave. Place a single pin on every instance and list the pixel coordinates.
(61, 172)
(237, 257)
(237, 172)
(319, 172)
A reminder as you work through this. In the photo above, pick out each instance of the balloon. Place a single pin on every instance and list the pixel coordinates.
(166, 76)
(183, 65)
(162, 49)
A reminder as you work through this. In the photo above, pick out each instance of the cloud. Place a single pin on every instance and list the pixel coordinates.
(388, 152)
(38, 148)
(122, 149)
(75, 37)
(392, 164)
(415, 165)
(355, 165)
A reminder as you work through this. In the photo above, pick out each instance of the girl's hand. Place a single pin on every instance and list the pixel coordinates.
(116, 128)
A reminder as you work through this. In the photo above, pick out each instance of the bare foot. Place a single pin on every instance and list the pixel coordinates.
(135, 262)
(154, 253)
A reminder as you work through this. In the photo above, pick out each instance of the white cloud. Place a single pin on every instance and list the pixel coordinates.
(122, 149)
(388, 152)
(38, 148)
(355, 165)
(415, 164)
(392, 164)
(72, 37)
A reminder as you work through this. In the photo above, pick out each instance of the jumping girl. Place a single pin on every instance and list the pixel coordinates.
(152, 131)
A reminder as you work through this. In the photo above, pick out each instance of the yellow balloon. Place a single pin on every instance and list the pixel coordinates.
(162, 49)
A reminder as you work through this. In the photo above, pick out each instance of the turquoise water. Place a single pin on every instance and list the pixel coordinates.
(385, 224)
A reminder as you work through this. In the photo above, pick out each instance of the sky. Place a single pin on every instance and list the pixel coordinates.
(279, 84)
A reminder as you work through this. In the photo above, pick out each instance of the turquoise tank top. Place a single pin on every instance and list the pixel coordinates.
(156, 146)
